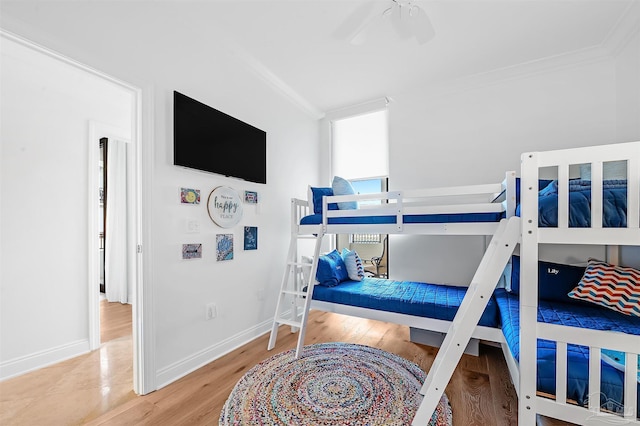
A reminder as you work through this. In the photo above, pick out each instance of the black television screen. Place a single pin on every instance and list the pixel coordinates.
(210, 140)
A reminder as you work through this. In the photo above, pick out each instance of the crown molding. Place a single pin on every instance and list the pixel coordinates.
(359, 109)
(624, 30)
(276, 82)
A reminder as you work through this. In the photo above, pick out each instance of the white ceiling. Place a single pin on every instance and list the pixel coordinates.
(292, 42)
(293, 39)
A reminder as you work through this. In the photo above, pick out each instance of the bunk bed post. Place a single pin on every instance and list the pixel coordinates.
(528, 290)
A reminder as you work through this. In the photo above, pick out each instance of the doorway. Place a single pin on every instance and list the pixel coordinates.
(62, 134)
(114, 283)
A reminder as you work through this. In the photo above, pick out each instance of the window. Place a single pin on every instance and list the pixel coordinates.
(360, 146)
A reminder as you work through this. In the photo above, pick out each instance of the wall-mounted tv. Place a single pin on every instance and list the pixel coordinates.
(210, 140)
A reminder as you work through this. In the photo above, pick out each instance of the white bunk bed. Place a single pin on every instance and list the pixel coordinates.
(459, 210)
(531, 402)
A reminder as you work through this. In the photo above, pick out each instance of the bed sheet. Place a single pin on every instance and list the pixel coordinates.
(586, 316)
(406, 297)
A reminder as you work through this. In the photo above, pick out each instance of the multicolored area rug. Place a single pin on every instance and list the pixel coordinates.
(331, 384)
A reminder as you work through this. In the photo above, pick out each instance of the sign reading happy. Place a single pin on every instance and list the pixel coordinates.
(225, 207)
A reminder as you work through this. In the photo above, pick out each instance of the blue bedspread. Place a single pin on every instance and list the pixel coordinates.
(406, 297)
(583, 316)
(614, 197)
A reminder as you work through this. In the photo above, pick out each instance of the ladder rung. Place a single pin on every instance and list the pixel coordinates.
(304, 265)
(295, 293)
(289, 322)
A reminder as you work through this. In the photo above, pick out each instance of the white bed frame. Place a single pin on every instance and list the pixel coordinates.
(524, 377)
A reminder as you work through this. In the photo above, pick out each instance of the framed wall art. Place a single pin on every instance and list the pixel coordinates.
(192, 251)
(251, 238)
(250, 197)
(189, 196)
(224, 247)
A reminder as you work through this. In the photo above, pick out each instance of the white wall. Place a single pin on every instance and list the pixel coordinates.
(143, 50)
(473, 132)
(47, 106)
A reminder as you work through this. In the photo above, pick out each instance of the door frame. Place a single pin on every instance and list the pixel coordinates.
(140, 136)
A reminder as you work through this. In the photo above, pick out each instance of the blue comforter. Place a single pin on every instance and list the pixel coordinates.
(581, 316)
(614, 197)
(405, 297)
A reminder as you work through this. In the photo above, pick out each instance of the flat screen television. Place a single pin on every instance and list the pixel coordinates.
(210, 140)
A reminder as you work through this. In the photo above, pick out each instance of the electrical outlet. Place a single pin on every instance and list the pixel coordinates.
(210, 312)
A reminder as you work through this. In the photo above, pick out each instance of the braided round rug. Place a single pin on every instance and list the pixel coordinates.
(331, 384)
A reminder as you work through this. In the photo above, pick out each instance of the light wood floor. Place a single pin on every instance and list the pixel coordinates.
(95, 389)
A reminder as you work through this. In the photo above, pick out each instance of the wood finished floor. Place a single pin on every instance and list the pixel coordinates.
(95, 389)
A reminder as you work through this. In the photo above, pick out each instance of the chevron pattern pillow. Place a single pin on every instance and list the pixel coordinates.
(355, 269)
(614, 287)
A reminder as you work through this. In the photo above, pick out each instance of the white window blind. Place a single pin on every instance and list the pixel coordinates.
(360, 146)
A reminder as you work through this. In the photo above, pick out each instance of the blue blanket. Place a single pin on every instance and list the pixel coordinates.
(583, 316)
(405, 297)
(614, 197)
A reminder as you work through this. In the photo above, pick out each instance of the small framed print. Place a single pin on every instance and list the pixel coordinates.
(192, 251)
(224, 247)
(251, 238)
(189, 196)
(250, 197)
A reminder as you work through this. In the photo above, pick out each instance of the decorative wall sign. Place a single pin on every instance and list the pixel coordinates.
(250, 197)
(224, 247)
(225, 207)
(192, 251)
(189, 196)
(251, 238)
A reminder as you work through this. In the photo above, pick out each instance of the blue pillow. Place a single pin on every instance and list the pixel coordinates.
(318, 193)
(331, 269)
(555, 280)
(342, 186)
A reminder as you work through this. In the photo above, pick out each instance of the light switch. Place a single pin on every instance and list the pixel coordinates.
(193, 226)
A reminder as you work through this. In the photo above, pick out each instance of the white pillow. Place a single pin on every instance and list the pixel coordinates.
(355, 270)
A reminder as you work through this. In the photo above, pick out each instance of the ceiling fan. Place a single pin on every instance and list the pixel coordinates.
(404, 16)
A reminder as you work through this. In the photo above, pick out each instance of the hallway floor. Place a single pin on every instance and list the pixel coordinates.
(92, 383)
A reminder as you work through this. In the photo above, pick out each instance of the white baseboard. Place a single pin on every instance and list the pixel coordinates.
(25, 364)
(179, 369)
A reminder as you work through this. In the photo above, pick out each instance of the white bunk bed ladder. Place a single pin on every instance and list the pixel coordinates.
(292, 293)
(468, 315)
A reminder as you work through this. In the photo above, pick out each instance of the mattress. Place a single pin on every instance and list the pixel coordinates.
(575, 315)
(316, 219)
(405, 297)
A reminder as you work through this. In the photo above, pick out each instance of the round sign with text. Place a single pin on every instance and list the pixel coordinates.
(225, 207)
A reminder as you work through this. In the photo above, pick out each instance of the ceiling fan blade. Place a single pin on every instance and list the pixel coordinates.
(355, 22)
(420, 25)
(399, 17)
